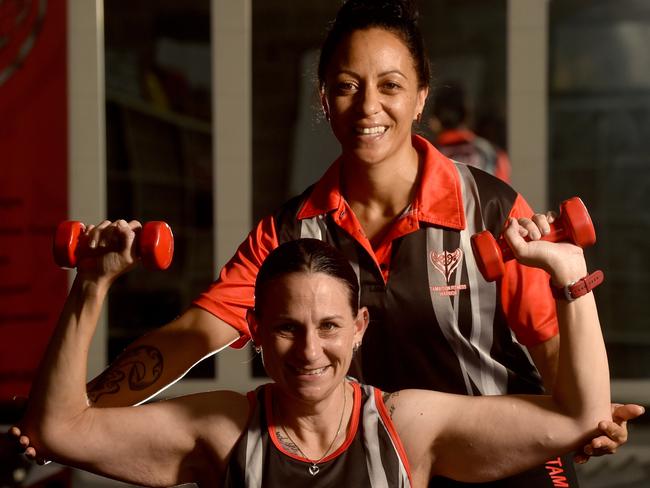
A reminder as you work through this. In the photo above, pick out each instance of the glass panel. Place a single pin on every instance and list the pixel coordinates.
(159, 155)
(466, 41)
(599, 130)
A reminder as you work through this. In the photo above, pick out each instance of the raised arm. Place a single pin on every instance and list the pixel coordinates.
(159, 444)
(157, 355)
(483, 438)
(157, 359)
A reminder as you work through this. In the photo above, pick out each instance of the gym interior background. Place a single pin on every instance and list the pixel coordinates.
(204, 113)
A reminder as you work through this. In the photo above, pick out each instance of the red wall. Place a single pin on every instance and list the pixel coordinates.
(33, 183)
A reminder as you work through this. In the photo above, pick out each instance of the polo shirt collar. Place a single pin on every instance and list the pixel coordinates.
(438, 199)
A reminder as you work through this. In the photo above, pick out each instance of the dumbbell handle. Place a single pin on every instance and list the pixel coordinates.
(154, 244)
(573, 225)
(557, 234)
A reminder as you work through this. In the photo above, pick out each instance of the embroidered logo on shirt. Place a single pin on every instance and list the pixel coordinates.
(446, 263)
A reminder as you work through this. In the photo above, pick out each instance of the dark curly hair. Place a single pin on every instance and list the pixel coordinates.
(397, 16)
(306, 256)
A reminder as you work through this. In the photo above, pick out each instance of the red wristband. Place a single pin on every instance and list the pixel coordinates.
(579, 288)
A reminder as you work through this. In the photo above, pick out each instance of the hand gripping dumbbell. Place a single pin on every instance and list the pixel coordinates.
(154, 244)
(572, 225)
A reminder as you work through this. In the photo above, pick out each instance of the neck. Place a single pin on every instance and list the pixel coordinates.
(386, 186)
(313, 431)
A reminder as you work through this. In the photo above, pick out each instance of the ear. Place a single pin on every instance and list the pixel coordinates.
(421, 99)
(361, 324)
(324, 104)
(253, 327)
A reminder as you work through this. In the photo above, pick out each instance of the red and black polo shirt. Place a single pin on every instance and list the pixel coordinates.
(435, 323)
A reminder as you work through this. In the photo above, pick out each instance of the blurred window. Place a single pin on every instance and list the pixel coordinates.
(599, 116)
(159, 155)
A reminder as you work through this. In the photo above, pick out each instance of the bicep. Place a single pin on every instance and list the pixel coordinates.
(471, 439)
(159, 444)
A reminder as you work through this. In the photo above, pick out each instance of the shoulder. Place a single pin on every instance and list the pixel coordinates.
(495, 199)
(222, 406)
(219, 418)
(294, 204)
(414, 408)
(285, 218)
(491, 187)
(419, 417)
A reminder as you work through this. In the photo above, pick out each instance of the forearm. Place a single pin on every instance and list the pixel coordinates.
(582, 388)
(58, 395)
(159, 359)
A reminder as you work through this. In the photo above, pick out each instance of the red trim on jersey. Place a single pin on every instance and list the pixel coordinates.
(351, 433)
(388, 422)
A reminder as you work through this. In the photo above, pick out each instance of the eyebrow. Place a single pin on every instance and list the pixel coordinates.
(332, 317)
(287, 319)
(383, 73)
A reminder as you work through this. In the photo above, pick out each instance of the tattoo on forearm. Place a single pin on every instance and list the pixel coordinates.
(391, 407)
(142, 366)
(287, 443)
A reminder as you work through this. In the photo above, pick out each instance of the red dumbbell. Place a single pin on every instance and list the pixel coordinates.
(573, 225)
(154, 244)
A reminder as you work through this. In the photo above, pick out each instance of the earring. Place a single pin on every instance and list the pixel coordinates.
(418, 117)
(258, 349)
(356, 347)
(327, 115)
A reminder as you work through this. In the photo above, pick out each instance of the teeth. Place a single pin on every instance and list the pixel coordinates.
(380, 129)
(310, 371)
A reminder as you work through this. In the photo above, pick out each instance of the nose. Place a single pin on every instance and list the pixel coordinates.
(310, 347)
(369, 101)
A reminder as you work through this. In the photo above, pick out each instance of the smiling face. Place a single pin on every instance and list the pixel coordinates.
(372, 95)
(307, 331)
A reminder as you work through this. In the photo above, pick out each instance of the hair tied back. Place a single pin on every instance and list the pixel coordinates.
(396, 10)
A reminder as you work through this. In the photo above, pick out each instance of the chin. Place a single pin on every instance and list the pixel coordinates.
(368, 155)
(311, 391)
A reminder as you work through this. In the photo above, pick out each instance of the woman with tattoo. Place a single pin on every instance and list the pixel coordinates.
(402, 214)
(314, 426)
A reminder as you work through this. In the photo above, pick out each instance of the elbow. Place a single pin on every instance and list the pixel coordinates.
(40, 435)
(51, 437)
(586, 420)
(587, 426)
(583, 417)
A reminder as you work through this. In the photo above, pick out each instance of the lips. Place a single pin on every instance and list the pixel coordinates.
(369, 131)
(309, 371)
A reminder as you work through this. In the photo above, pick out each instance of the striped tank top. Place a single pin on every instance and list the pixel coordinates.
(371, 455)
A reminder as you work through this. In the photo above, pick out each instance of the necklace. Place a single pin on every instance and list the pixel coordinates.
(313, 468)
